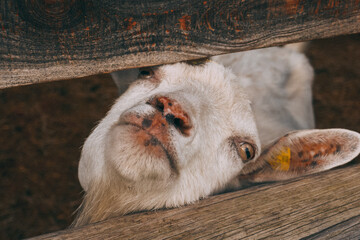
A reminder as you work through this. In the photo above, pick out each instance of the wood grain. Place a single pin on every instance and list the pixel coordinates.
(318, 206)
(349, 229)
(46, 40)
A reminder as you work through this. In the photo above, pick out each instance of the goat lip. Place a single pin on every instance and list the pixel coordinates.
(141, 129)
(155, 141)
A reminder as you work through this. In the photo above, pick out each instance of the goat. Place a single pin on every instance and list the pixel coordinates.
(184, 131)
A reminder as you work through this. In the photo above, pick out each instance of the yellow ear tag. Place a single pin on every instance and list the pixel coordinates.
(281, 162)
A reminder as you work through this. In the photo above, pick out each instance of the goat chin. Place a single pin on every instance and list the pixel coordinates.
(100, 203)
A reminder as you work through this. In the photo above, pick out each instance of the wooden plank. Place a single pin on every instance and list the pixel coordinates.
(323, 205)
(51, 40)
(349, 229)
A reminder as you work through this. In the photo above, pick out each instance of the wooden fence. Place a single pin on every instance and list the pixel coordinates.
(323, 206)
(52, 40)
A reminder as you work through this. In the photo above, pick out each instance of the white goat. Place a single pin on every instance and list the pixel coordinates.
(182, 132)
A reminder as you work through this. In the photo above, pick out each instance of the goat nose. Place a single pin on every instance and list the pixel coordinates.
(173, 113)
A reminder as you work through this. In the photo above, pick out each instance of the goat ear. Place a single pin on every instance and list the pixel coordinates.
(124, 78)
(302, 153)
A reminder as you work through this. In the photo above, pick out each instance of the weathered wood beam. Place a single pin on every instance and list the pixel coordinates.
(43, 40)
(326, 205)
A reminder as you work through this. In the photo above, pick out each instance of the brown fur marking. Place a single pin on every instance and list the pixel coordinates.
(309, 152)
(154, 137)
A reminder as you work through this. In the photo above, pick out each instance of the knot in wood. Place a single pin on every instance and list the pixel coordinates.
(52, 14)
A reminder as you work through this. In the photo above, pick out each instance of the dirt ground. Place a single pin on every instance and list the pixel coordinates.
(42, 128)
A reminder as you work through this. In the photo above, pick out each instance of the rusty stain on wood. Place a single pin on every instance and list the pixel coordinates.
(318, 7)
(185, 22)
(292, 7)
(51, 40)
(131, 23)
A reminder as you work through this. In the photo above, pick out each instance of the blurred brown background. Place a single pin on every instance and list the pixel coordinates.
(42, 128)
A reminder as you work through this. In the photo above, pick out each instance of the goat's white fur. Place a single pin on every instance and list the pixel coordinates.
(278, 82)
(267, 91)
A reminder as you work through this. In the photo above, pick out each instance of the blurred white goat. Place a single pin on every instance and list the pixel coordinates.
(185, 131)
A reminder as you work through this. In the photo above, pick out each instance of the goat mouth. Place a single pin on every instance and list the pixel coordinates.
(154, 143)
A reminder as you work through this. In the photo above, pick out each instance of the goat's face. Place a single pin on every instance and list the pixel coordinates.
(179, 133)
(182, 132)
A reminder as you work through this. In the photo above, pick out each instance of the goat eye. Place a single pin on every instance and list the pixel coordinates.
(146, 73)
(245, 150)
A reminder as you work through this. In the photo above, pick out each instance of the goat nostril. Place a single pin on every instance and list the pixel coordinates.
(170, 118)
(178, 123)
(159, 105)
(173, 113)
(156, 104)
